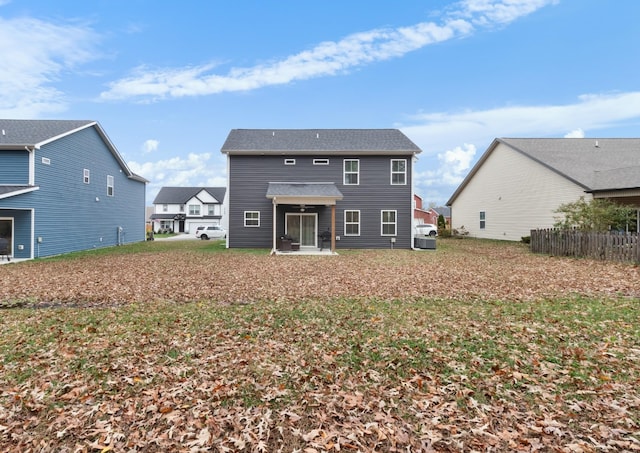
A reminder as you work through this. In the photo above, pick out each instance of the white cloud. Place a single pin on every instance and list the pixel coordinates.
(326, 59)
(576, 133)
(492, 12)
(444, 161)
(194, 170)
(435, 132)
(150, 146)
(35, 53)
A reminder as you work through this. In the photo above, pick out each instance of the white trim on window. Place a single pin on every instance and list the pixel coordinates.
(194, 209)
(399, 172)
(351, 176)
(483, 220)
(86, 175)
(388, 222)
(352, 222)
(251, 219)
(320, 161)
(289, 161)
(46, 161)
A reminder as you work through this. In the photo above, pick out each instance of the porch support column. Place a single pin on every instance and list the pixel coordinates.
(333, 228)
(273, 221)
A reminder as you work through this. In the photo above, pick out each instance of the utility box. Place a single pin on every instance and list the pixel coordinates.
(424, 243)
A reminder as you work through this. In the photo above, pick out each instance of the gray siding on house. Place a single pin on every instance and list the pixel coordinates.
(249, 176)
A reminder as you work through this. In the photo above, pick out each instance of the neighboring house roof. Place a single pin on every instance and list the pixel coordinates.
(163, 216)
(600, 164)
(318, 141)
(180, 195)
(32, 134)
(444, 211)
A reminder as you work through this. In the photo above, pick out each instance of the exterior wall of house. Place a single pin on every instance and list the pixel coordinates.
(171, 209)
(14, 167)
(71, 215)
(249, 177)
(516, 194)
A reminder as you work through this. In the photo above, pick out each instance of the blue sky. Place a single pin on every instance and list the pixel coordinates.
(169, 80)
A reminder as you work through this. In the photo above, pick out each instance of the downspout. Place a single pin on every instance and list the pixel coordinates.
(32, 165)
(412, 220)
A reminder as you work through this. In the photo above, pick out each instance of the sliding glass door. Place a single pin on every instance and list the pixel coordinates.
(302, 228)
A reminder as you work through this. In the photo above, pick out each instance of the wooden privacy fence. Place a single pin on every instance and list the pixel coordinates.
(622, 247)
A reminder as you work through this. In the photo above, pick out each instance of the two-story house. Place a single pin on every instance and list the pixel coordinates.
(64, 187)
(354, 184)
(183, 209)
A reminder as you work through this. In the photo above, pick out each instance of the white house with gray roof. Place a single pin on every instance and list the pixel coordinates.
(183, 209)
(518, 183)
(356, 185)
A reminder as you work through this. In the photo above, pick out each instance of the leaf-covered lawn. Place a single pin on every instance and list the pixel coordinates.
(478, 346)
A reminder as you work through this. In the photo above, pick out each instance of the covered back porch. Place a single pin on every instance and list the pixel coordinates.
(304, 217)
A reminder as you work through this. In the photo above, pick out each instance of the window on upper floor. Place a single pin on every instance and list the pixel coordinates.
(320, 161)
(181, 208)
(165, 207)
(85, 175)
(483, 220)
(251, 218)
(289, 161)
(398, 172)
(109, 186)
(351, 172)
(194, 209)
(352, 223)
(389, 222)
(211, 209)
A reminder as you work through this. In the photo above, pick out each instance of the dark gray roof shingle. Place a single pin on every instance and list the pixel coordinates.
(300, 189)
(595, 164)
(33, 132)
(318, 141)
(180, 195)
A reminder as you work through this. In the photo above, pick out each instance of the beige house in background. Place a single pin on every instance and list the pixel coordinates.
(518, 183)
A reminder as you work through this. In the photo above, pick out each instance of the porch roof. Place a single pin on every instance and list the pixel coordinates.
(324, 193)
(10, 191)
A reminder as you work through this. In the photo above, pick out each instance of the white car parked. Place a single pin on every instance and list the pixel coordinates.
(426, 229)
(211, 232)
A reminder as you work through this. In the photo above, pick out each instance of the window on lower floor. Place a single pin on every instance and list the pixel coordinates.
(483, 220)
(389, 223)
(194, 209)
(352, 223)
(251, 218)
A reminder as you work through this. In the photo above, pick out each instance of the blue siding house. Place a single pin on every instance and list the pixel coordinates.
(320, 188)
(64, 187)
